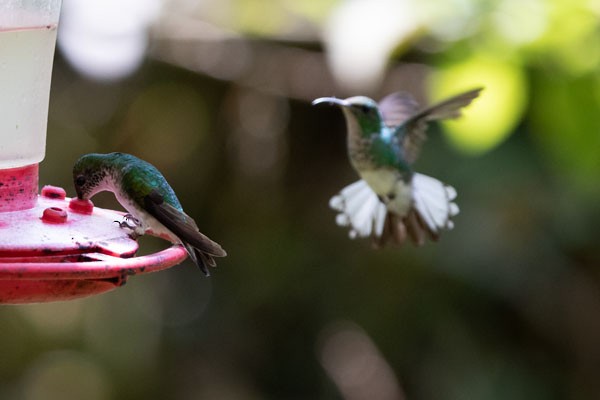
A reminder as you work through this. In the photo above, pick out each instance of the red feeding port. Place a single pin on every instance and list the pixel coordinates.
(55, 248)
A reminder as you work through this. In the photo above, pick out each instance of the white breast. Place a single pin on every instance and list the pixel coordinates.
(389, 183)
(148, 222)
(381, 181)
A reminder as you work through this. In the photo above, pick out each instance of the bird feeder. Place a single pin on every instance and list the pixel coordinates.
(51, 247)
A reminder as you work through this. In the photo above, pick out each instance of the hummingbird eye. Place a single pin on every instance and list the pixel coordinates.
(365, 109)
(80, 180)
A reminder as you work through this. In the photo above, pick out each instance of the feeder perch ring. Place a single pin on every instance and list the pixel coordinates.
(64, 249)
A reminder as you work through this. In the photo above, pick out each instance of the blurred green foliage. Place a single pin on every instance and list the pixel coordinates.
(505, 306)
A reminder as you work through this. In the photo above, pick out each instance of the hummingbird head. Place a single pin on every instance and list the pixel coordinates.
(89, 175)
(358, 110)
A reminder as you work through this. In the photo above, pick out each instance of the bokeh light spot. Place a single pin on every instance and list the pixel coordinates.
(356, 366)
(362, 34)
(54, 319)
(106, 39)
(492, 117)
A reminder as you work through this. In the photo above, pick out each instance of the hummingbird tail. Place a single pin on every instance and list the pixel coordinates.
(367, 215)
(360, 209)
(433, 203)
(202, 259)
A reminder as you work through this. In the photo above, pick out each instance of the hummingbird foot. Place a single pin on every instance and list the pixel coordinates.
(129, 217)
(132, 223)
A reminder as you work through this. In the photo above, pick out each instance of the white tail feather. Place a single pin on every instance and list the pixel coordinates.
(433, 200)
(359, 208)
(362, 210)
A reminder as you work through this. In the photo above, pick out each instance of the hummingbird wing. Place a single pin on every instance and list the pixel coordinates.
(185, 228)
(412, 132)
(397, 107)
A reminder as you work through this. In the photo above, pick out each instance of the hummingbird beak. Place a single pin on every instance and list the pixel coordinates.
(331, 101)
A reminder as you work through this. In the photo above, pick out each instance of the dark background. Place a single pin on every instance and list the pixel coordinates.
(505, 306)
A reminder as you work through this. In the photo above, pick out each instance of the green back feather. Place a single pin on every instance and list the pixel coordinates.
(139, 178)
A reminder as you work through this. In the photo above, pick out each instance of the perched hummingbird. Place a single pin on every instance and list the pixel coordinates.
(392, 202)
(152, 204)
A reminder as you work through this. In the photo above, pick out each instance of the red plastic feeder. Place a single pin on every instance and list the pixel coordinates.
(55, 248)
(51, 248)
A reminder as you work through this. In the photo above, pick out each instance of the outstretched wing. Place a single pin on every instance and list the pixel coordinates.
(185, 228)
(397, 107)
(412, 132)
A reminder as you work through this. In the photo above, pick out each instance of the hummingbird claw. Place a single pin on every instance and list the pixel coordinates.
(135, 229)
(130, 222)
(129, 217)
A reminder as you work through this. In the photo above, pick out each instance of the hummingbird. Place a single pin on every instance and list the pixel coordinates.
(151, 203)
(391, 202)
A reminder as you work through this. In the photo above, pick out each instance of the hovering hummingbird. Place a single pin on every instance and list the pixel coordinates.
(152, 204)
(392, 202)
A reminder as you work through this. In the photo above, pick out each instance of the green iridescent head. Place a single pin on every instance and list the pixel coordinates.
(89, 174)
